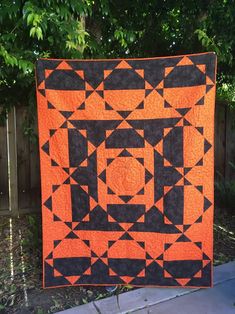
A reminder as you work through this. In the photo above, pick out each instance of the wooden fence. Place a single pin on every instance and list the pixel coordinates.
(19, 160)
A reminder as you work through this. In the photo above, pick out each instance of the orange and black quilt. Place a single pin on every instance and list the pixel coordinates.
(126, 150)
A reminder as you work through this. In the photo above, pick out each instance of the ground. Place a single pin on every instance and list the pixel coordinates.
(21, 276)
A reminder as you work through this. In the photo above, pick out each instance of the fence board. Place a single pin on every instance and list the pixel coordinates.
(23, 160)
(4, 196)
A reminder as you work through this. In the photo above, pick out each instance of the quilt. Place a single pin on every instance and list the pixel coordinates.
(127, 170)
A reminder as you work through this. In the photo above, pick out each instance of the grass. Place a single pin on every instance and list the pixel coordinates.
(20, 258)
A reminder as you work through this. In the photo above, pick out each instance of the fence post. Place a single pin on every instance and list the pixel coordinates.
(12, 162)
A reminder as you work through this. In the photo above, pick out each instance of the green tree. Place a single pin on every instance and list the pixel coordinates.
(108, 29)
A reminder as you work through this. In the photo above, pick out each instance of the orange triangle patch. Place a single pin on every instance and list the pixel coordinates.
(72, 279)
(140, 72)
(91, 148)
(160, 263)
(100, 87)
(107, 72)
(88, 271)
(47, 73)
(148, 86)
(185, 61)
(64, 66)
(166, 274)
(159, 147)
(127, 279)
(168, 70)
(182, 281)
(124, 125)
(123, 65)
(142, 273)
(88, 86)
(80, 73)
(201, 67)
(84, 163)
(160, 85)
(86, 218)
(83, 132)
(198, 274)
(57, 273)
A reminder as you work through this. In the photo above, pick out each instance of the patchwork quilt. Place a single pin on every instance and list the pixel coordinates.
(127, 163)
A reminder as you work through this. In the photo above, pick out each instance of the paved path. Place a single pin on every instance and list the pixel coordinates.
(217, 300)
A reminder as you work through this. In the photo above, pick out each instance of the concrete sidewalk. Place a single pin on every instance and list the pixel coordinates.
(217, 300)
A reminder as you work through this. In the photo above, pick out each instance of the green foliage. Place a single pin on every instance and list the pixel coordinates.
(107, 29)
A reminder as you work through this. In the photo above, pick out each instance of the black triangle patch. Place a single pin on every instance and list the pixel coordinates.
(140, 106)
(66, 114)
(71, 235)
(82, 106)
(56, 242)
(64, 125)
(167, 245)
(200, 162)
(207, 146)
(105, 254)
(207, 204)
(186, 122)
(199, 188)
(88, 93)
(67, 181)
(167, 105)
(183, 111)
(69, 224)
(52, 131)
(100, 92)
(186, 182)
(49, 256)
(160, 257)
(48, 203)
(110, 191)
(93, 254)
(200, 101)
(183, 238)
(55, 187)
(198, 244)
(66, 170)
(148, 176)
(110, 243)
(54, 163)
(160, 91)
(102, 176)
(109, 160)
(125, 198)
(140, 160)
(124, 114)
(142, 244)
(186, 227)
(147, 256)
(147, 92)
(208, 87)
(50, 106)
(125, 153)
(187, 169)
(56, 218)
(87, 242)
(46, 148)
(126, 236)
(42, 91)
(200, 129)
(107, 106)
(205, 257)
(141, 192)
(199, 220)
